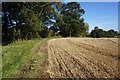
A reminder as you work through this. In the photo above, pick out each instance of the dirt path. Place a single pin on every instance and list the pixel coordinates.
(83, 58)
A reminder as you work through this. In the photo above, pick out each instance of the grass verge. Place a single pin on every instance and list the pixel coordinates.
(19, 60)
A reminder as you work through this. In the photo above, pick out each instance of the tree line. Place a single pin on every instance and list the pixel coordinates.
(28, 20)
(98, 33)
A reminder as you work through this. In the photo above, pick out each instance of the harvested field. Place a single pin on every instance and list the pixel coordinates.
(83, 58)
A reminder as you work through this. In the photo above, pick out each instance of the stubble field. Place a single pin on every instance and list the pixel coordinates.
(83, 58)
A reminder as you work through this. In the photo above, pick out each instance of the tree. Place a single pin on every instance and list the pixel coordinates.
(24, 22)
(68, 19)
(32, 19)
(85, 30)
(112, 33)
(11, 14)
(98, 33)
(95, 33)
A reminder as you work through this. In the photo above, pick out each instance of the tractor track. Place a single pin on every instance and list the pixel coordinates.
(80, 58)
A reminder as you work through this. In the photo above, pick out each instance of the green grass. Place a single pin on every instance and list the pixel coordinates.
(0, 61)
(19, 54)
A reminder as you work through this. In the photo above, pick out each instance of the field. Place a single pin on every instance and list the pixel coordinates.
(23, 59)
(61, 58)
(83, 58)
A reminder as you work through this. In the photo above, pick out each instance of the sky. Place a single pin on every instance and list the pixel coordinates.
(101, 14)
(92, 0)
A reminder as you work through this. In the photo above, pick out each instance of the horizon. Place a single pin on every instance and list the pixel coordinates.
(106, 18)
(101, 14)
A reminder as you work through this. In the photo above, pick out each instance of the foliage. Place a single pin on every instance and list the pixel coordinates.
(68, 19)
(25, 22)
(42, 19)
(98, 33)
(31, 20)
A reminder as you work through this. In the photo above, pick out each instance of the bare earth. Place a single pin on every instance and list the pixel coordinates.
(83, 58)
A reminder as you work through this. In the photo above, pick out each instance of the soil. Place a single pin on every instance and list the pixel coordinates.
(78, 58)
(83, 58)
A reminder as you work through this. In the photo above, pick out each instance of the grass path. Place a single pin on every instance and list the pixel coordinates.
(21, 60)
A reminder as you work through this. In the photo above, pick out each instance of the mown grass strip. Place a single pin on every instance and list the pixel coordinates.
(18, 54)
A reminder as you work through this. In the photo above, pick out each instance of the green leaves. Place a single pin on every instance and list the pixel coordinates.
(69, 21)
(32, 18)
(97, 33)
